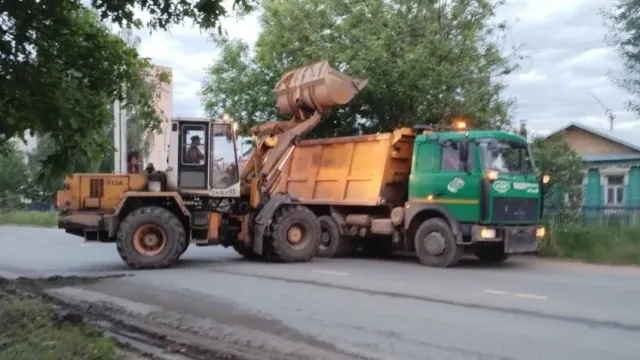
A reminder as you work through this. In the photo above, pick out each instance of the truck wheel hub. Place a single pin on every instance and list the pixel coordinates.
(435, 244)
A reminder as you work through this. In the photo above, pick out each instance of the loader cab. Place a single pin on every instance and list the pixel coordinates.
(203, 159)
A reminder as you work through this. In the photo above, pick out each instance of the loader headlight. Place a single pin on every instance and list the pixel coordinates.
(155, 186)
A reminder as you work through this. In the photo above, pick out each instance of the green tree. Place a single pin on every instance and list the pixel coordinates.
(13, 172)
(61, 67)
(623, 20)
(554, 157)
(426, 61)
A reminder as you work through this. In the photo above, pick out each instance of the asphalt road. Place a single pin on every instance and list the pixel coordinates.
(387, 309)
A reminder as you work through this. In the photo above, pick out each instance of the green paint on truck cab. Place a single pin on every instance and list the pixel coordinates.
(497, 184)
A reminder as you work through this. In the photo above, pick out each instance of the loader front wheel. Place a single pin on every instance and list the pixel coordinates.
(295, 234)
(150, 237)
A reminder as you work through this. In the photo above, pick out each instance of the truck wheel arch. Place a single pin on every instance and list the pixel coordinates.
(417, 213)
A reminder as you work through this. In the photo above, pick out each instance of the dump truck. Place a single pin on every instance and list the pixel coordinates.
(202, 198)
(438, 193)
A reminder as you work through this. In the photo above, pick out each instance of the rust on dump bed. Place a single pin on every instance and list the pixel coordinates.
(356, 170)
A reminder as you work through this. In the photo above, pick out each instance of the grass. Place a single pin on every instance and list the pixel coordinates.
(594, 244)
(30, 331)
(29, 218)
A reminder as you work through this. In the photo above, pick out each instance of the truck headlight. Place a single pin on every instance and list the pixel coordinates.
(488, 233)
(155, 186)
(540, 232)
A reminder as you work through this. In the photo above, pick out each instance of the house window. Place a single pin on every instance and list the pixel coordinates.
(615, 190)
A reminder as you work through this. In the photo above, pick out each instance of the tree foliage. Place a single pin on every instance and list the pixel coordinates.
(60, 68)
(553, 156)
(623, 20)
(426, 61)
(13, 172)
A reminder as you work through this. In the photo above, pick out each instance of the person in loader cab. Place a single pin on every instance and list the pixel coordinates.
(133, 166)
(194, 155)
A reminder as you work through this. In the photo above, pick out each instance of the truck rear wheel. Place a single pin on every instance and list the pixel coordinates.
(150, 237)
(491, 253)
(332, 244)
(435, 244)
(295, 234)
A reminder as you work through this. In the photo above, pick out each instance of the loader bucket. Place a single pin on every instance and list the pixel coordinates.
(315, 87)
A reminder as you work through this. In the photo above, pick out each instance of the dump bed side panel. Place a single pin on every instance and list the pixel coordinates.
(342, 171)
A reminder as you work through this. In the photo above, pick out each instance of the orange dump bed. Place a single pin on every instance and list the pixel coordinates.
(365, 170)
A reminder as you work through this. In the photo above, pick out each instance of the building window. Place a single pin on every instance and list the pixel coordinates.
(614, 194)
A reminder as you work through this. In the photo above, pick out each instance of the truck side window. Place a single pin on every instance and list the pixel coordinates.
(450, 160)
(428, 157)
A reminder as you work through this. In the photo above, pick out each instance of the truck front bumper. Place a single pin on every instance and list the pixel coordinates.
(517, 239)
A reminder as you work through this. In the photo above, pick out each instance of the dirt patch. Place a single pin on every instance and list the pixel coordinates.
(33, 329)
(160, 332)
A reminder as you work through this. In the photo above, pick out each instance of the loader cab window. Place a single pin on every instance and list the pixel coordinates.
(224, 165)
(194, 141)
(194, 146)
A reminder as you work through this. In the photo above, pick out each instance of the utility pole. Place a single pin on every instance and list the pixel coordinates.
(607, 111)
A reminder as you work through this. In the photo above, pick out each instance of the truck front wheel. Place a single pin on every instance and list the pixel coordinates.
(295, 234)
(332, 244)
(150, 237)
(435, 244)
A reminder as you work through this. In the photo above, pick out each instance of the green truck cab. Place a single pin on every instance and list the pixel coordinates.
(485, 183)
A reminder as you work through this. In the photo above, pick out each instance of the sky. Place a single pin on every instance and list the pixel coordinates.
(567, 63)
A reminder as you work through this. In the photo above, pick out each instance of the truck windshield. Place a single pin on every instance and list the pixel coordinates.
(505, 156)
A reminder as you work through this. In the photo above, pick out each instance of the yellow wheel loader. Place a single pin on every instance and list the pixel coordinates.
(202, 198)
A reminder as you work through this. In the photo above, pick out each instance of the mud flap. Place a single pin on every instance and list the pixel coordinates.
(520, 239)
(263, 219)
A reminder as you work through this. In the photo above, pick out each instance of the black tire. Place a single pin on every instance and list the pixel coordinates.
(332, 244)
(491, 253)
(186, 246)
(442, 250)
(161, 220)
(376, 246)
(286, 221)
(245, 251)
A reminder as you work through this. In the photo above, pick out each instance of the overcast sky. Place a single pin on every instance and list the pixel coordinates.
(562, 39)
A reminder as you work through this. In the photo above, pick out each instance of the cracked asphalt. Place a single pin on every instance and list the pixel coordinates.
(363, 308)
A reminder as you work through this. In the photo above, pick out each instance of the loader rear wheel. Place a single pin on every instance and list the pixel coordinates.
(332, 244)
(150, 237)
(435, 244)
(295, 234)
(186, 246)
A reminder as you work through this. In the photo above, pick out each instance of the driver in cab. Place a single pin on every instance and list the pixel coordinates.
(194, 155)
